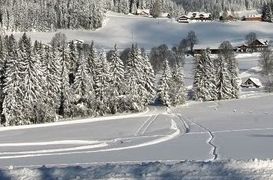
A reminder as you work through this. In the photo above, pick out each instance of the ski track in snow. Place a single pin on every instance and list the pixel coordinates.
(81, 121)
(211, 135)
(90, 144)
(146, 125)
(210, 141)
(174, 127)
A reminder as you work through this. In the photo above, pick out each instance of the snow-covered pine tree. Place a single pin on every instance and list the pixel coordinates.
(123, 6)
(200, 83)
(65, 94)
(148, 79)
(51, 72)
(177, 87)
(92, 60)
(156, 8)
(13, 105)
(34, 107)
(163, 85)
(3, 68)
(266, 13)
(210, 73)
(117, 85)
(224, 87)
(134, 80)
(73, 63)
(83, 88)
(227, 54)
(102, 84)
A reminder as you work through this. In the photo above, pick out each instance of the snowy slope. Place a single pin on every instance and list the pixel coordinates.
(236, 129)
(148, 32)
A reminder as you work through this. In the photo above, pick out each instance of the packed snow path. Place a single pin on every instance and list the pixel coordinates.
(237, 129)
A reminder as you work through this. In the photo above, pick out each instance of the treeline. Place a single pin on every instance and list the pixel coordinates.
(48, 15)
(267, 14)
(155, 6)
(220, 5)
(41, 83)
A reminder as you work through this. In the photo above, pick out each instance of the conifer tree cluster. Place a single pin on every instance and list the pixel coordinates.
(40, 82)
(216, 79)
(41, 15)
(171, 88)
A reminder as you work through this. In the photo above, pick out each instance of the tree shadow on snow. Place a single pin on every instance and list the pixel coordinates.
(153, 170)
(4, 175)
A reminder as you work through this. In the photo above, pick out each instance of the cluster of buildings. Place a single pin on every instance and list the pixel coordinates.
(203, 17)
(255, 46)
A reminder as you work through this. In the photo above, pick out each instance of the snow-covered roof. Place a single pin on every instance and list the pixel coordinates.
(197, 14)
(164, 14)
(256, 81)
(146, 11)
(253, 16)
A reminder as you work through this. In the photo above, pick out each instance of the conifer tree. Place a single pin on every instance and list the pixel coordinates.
(32, 86)
(117, 85)
(13, 105)
(164, 88)
(3, 69)
(224, 87)
(177, 86)
(227, 54)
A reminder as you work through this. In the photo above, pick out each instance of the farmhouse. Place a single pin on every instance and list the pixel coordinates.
(194, 17)
(252, 18)
(183, 19)
(252, 83)
(243, 48)
(255, 46)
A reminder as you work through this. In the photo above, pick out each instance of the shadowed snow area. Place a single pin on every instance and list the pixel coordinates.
(253, 169)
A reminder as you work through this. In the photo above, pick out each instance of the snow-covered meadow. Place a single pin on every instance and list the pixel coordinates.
(222, 130)
(124, 30)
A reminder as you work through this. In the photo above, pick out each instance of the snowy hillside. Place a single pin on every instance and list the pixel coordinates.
(148, 32)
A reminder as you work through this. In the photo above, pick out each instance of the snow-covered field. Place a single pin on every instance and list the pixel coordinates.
(237, 129)
(149, 32)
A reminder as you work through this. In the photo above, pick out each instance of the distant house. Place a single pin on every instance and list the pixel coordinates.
(252, 83)
(194, 17)
(252, 18)
(243, 48)
(183, 19)
(255, 46)
(143, 12)
(231, 18)
(212, 51)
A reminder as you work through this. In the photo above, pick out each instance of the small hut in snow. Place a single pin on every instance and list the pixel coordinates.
(252, 83)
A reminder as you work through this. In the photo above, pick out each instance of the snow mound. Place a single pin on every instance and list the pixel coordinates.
(253, 169)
